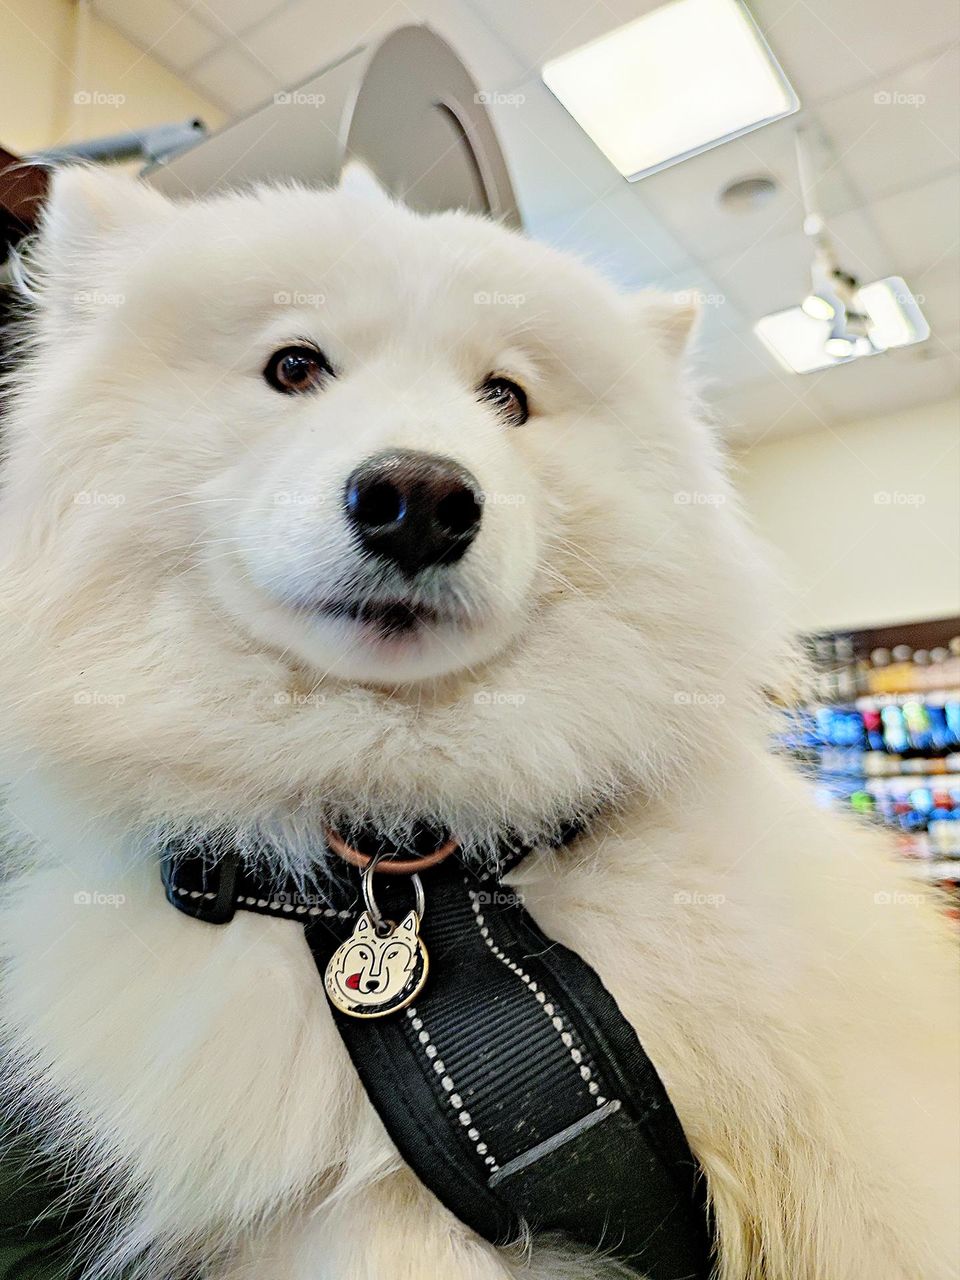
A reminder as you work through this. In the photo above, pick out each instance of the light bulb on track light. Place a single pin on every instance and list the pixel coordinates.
(817, 307)
(839, 346)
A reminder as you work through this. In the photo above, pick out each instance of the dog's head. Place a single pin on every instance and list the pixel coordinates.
(312, 500)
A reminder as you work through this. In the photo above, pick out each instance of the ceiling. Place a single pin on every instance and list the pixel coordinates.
(890, 186)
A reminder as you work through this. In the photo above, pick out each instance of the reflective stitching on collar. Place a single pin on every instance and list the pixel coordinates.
(268, 904)
(454, 1098)
(577, 1051)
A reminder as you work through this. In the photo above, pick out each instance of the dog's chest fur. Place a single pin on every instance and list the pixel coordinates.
(203, 1061)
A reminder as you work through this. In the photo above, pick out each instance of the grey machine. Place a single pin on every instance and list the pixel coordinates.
(405, 105)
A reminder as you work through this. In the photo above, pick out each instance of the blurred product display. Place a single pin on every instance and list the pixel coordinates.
(878, 730)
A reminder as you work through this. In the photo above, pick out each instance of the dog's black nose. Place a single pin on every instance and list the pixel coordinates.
(416, 509)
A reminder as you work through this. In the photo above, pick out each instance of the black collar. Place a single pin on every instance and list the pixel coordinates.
(209, 874)
(513, 1086)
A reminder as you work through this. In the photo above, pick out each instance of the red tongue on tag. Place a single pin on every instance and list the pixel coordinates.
(353, 982)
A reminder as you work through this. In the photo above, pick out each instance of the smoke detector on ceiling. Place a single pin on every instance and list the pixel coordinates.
(747, 195)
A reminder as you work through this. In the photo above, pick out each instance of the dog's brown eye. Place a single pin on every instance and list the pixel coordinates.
(509, 400)
(294, 370)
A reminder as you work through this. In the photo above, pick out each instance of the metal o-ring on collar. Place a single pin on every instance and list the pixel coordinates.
(385, 864)
(366, 885)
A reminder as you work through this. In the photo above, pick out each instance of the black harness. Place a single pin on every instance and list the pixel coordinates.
(513, 1086)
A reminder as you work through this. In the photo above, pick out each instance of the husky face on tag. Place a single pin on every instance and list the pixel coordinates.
(370, 975)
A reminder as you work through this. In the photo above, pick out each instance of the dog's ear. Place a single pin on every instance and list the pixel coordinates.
(669, 318)
(408, 924)
(364, 924)
(88, 207)
(360, 182)
(87, 213)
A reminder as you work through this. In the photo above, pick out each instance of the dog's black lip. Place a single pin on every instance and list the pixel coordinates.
(389, 617)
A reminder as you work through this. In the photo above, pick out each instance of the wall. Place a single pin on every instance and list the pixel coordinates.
(65, 75)
(865, 517)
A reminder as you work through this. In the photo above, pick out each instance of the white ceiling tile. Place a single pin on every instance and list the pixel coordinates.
(937, 290)
(305, 36)
(617, 233)
(767, 276)
(687, 196)
(234, 16)
(774, 273)
(888, 383)
(727, 353)
(765, 410)
(184, 43)
(944, 344)
(828, 48)
(234, 80)
(861, 247)
(539, 30)
(161, 28)
(694, 280)
(903, 133)
(920, 224)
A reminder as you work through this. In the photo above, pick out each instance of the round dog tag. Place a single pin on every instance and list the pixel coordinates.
(377, 970)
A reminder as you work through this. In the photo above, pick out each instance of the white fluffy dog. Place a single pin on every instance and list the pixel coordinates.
(191, 631)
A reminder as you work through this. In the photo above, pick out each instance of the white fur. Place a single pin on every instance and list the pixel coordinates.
(157, 667)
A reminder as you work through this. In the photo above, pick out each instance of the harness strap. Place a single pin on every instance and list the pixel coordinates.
(513, 1087)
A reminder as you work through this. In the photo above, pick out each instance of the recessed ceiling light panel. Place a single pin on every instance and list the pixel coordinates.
(674, 82)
